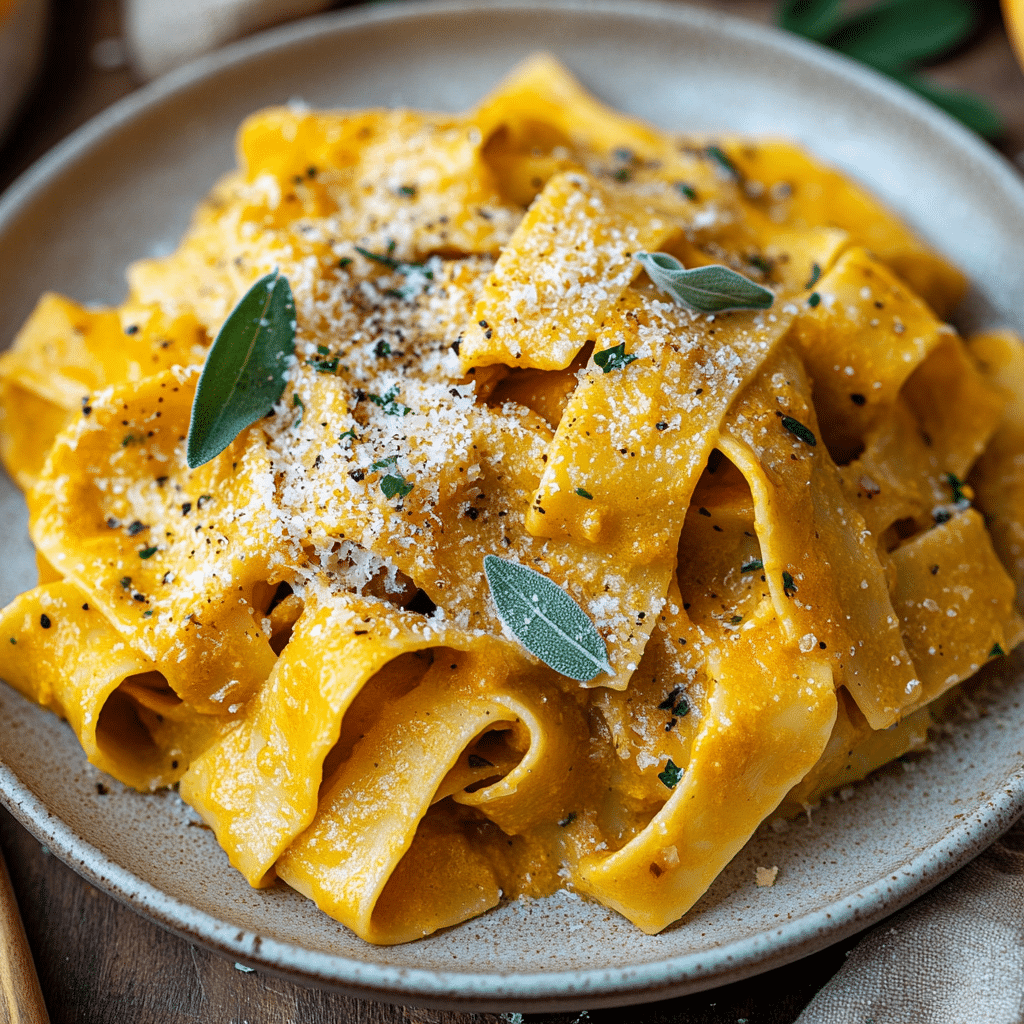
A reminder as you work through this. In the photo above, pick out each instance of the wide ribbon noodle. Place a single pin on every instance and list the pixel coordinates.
(794, 528)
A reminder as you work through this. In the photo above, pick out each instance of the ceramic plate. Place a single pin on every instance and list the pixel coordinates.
(123, 187)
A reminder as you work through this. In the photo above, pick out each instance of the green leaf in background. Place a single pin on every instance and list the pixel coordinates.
(812, 19)
(896, 34)
(546, 620)
(896, 37)
(709, 289)
(245, 369)
(966, 107)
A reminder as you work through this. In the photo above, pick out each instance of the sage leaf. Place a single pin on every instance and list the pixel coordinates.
(968, 108)
(708, 289)
(546, 620)
(245, 369)
(896, 34)
(812, 19)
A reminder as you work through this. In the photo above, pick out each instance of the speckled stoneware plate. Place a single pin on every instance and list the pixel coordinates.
(123, 187)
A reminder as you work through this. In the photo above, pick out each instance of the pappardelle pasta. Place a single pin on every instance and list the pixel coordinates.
(773, 512)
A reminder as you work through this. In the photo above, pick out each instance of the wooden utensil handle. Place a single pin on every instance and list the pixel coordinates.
(21, 1000)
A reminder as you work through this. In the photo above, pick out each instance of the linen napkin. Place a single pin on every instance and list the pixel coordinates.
(955, 956)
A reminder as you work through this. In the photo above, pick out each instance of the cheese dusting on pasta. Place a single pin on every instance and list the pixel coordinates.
(786, 530)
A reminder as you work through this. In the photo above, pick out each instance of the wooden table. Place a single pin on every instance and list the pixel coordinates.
(101, 963)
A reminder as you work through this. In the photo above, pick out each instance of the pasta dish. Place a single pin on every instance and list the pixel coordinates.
(474, 506)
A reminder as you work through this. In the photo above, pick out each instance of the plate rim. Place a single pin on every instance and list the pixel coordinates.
(467, 990)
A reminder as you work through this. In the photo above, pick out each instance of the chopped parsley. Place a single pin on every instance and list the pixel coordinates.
(387, 260)
(584, 494)
(687, 190)
(389, 402)
(147, 552)
(298, 402)
(725, 165)
(347, 436)
(615, 358)
(997, 651)
(814, 300)
(322, 364)
(815, 274)
(754, 565)
(393, 485)
(797, 429)
(958, 487)
(788, 586)
(676, 703)
(671, 775)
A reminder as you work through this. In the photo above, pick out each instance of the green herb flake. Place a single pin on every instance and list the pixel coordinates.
(407, 190)
(707, 289)
(393, 485)
(815, 275)
(723, 162)
(797, 429)
(676, 703)
(346, 437)
(13, 641)
(814, 19)
(345, 261)
(389, 402)
(671, 775)
(387, 260)
(147, 552)
(789, 588)
(997, 651)
(754, 565)
(384, 463)
(735, 620)
(126, 583)
(956, 485)
(128, 439)
(584, 494)
(814, 300)
(147, 613)
(298, 403)
(568, 819)
(245, 369)
(615, 358)
(687, 190)
(322, 365)
(546, 620)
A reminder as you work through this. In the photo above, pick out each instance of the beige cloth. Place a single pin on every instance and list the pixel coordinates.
(164, 34)
(956, 956)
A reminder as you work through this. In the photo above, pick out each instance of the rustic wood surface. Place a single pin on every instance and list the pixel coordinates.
(100, 962)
